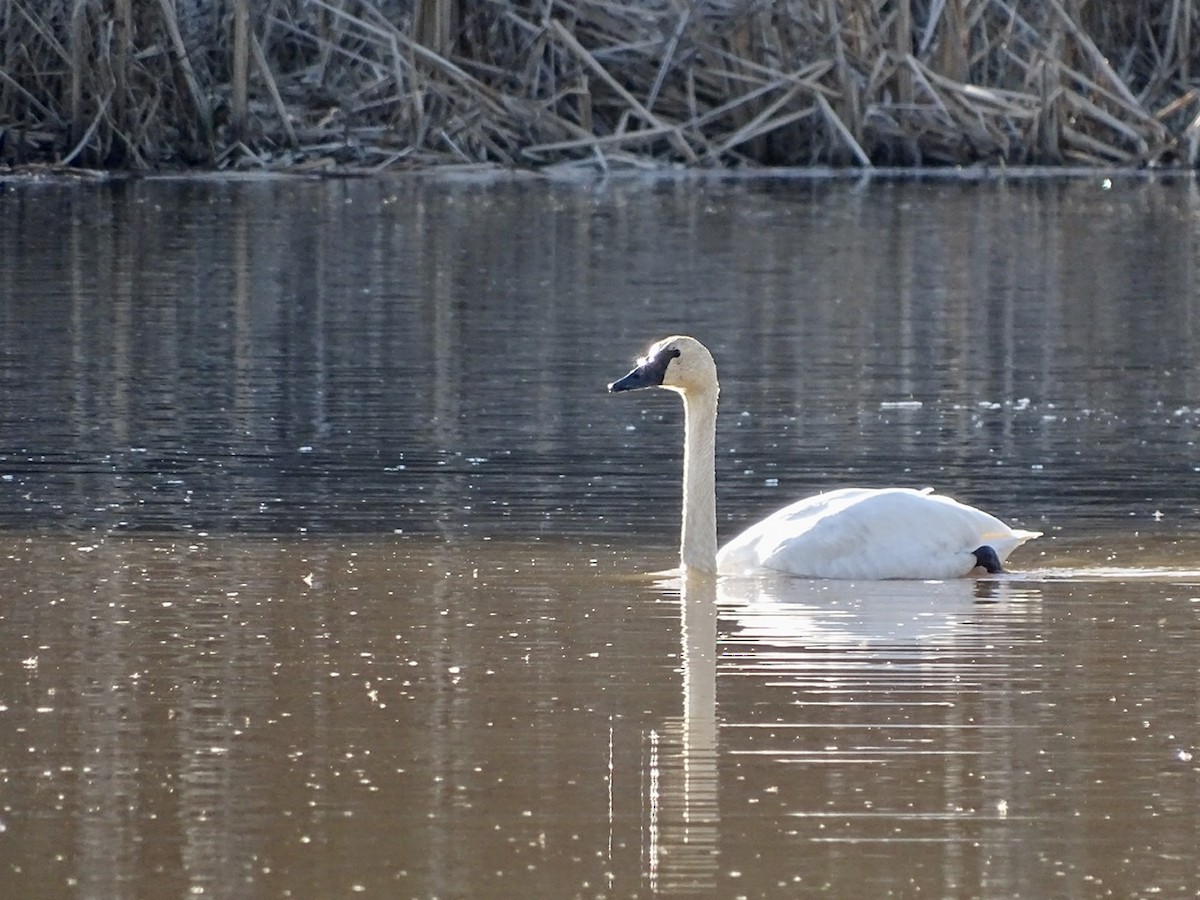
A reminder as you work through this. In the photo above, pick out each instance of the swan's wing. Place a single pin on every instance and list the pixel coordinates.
(870, 534)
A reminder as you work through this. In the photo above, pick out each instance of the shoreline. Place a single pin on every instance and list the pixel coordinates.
(981, 174)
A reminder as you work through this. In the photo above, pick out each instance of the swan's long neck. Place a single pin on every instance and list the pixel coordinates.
(698, 542)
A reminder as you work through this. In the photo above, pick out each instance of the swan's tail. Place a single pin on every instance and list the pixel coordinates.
(1006, 542)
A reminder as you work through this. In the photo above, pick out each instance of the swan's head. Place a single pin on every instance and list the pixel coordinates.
(678, 363)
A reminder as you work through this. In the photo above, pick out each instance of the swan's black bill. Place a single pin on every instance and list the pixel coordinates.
(650, 372)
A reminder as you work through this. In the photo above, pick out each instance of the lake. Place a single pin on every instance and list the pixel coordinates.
(328, 566)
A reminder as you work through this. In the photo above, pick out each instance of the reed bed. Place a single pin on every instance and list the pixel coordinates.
(354, 85)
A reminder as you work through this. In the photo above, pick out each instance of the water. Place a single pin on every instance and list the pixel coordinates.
(324, 555)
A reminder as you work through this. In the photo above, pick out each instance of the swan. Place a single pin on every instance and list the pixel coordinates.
(850, 533)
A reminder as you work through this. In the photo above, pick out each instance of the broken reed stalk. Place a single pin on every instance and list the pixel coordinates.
(241, 69)
(188, 74)
(263, 67)
(78, 43)
(120, 67)
(319, 84)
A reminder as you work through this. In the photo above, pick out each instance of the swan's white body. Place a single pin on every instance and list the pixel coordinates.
(854, 533)
(909, 533)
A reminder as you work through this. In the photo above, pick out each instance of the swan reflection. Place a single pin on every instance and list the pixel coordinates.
(839, 613)
(913, 649)
(680, 844)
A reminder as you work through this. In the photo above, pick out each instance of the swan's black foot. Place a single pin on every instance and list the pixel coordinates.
(986, 559)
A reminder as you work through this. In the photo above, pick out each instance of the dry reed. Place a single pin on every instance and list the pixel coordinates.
(348, 85)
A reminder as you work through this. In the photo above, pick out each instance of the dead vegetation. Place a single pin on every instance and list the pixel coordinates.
(381, 84)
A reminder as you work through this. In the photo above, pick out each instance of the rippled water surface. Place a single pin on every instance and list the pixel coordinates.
(325, 557)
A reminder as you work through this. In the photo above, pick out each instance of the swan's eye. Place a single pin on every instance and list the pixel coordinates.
(665, 355)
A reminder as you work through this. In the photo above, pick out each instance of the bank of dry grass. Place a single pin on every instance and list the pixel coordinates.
(378, 84)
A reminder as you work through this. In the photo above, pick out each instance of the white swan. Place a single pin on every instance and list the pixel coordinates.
(862, 533)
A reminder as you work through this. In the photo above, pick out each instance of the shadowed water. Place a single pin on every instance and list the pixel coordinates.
(323, 553)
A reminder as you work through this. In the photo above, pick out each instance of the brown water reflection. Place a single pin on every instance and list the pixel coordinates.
(400, 717)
